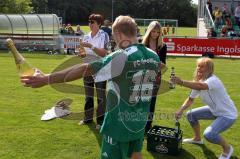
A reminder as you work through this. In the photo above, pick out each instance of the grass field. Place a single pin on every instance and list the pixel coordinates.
(24, 136)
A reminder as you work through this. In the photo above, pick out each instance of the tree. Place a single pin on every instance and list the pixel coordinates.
(77, 11)
(158, 9)
(40, 6)
(183, 11)
(15, 6)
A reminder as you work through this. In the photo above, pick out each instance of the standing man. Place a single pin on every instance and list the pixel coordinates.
(131, 73)
(106, 27)
(237, 14)
(95, 43)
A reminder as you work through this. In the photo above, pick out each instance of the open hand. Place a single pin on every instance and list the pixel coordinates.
(35, 81)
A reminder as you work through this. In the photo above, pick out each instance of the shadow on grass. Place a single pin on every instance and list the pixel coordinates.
(74, 116)
(98, 136)
(92, 126)
(207, 152)
(211, 155)
(182, 155)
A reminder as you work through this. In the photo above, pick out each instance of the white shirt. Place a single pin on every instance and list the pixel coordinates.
(100, 40)
(216, 98)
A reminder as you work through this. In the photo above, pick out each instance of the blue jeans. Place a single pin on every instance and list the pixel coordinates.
(212, 132)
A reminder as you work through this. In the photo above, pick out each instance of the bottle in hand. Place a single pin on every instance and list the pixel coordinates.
(23, 67)
(177, 128)
(82, 51)
(171, 83)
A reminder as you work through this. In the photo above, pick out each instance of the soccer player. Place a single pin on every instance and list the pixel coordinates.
(131, 72)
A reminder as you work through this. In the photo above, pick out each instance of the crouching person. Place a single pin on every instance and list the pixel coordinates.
(219, 106)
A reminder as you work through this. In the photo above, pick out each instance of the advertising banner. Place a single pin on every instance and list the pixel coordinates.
(201, 46)
(71, 42)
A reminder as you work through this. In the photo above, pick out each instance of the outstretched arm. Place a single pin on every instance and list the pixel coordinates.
(67, 75)
(190, 84)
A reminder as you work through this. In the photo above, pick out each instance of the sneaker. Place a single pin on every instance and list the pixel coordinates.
(227, 156)
(84, 122)
(98, 127)
(191, 141)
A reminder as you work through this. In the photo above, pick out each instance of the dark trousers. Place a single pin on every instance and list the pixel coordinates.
(151, 114)
(89, 100)
(152, 105)
(237, 19)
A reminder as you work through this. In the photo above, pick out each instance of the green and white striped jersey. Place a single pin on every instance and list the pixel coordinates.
(130, 73)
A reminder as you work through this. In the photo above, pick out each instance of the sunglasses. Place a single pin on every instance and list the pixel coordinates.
(91, 21)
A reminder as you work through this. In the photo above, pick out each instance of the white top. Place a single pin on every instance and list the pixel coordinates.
(216, 98)
(100, 40)
(237, 12)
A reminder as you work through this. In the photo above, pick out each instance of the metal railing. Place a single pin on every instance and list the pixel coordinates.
(208, 18)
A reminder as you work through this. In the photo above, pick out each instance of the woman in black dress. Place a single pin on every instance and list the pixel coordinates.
(153, 40)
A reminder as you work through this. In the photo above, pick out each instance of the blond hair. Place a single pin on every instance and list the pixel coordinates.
(125, 25)
(151, 26)
(209, 71)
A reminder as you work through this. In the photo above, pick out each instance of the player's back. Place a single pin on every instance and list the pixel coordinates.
(129, 93)
(139, 72)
